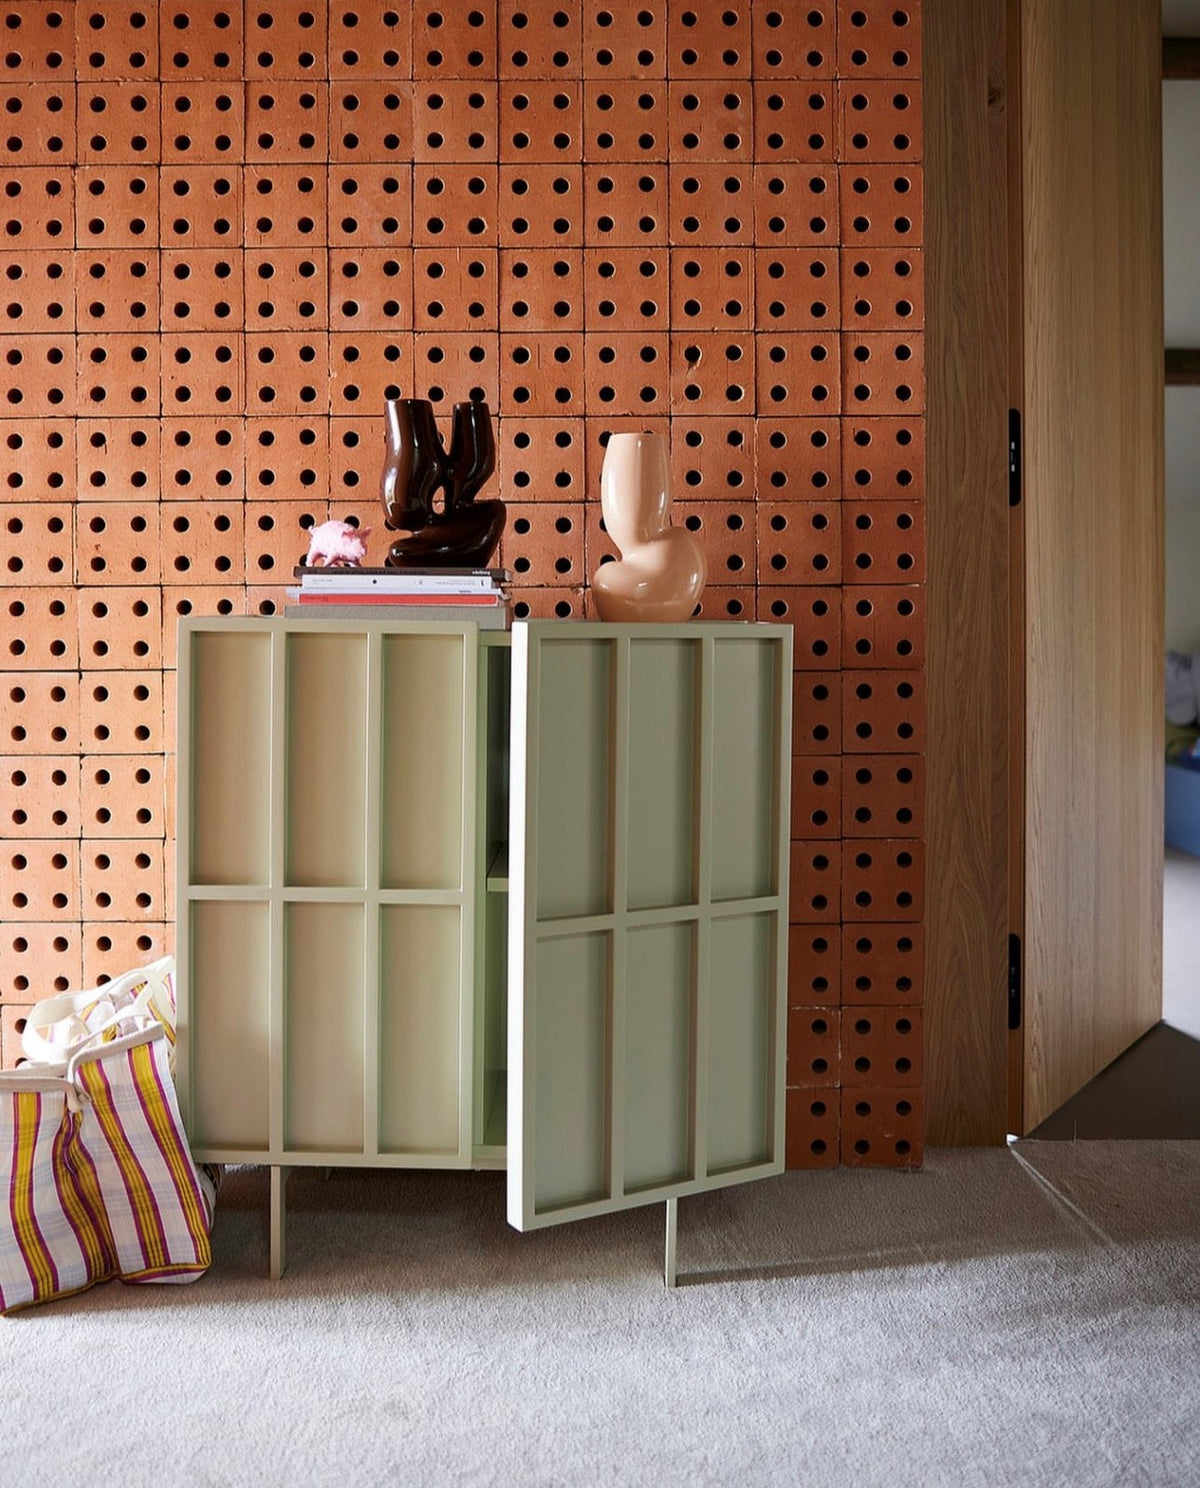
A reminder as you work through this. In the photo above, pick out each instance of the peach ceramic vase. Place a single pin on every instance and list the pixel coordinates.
(662, 569)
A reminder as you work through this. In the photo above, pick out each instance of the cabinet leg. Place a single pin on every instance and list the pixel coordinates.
(279, 1178)
(669, 1253)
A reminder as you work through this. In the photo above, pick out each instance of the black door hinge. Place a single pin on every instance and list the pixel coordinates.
(1014, 457)
(1014, 981)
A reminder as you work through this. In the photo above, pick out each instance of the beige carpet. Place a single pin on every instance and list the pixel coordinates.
(1029, 1316)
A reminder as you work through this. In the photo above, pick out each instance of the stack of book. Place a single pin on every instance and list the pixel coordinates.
(480, 595)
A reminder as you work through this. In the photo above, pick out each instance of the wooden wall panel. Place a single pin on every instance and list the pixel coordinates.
(966, 118)
(1091, 150)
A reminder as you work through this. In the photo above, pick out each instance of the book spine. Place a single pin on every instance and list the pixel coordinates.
(400, 601)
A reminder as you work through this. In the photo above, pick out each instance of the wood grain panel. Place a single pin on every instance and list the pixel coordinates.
(1091, 183)
(968, 523)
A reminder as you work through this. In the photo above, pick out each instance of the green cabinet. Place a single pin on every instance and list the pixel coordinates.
(452, 899)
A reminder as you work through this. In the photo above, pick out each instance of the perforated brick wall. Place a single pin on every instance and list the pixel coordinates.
(227, 232)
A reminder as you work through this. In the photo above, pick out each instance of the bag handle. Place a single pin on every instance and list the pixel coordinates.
(42, 1050)
(93, 1047)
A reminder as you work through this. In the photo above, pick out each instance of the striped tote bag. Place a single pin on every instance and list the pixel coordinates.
(158, 1205)
(54, 1237)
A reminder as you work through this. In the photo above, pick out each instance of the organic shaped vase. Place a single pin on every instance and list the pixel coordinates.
(463, 532)
(662, 568)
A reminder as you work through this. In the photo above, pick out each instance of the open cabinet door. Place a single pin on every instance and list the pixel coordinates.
(1090, 148)
(648, 859)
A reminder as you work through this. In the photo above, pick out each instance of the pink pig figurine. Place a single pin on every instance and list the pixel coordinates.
(337, 545)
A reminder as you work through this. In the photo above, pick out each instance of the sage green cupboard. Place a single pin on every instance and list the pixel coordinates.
(451, 898)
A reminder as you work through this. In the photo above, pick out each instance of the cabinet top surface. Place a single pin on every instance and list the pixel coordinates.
(190, 624)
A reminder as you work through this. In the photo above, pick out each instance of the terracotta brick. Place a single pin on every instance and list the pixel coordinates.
(363, 369)
(882, 1046)
(117, 542)
(122, 795)
(541, 122)
(713, 372)
(813, 1046)
(40, 712)
(38, 960)
(12, 1025)
(288, 122)
(200, 38)
(39, 121)
(799, 542)
(202, 542)
(797, 289)
(203, 122)
(122, 712)
(37, 461)
(285, 206)
(40, 375)
(712, 121)
(795, 206)
(277, 538)
(884, 458)
(885, 541)
(287, 459)
(202, 290)
(711, 205)
(884, 794)
(370, 289)
(111, 948)
(709, 41)
(712, 289)
(200, 206)
(454, 289)
(877, 40)
(542, 459)
(202, 373)
(36, 290)
(38, 206)
(40, 627)
(815, 883)
(286, 289)
(883, 711)
(116, 206)
(355, 465)
(628, 373)
(202, 458)
(199, 600)
(727, 535)
(371, 40)
(123, 879)
(450, 369)
(883, 626)
(120, 627)
(455, 205)
(455, 39)
(880, 122)
(883, 1127)
(541, 205)
(115, 456)
(39, 42)
(882, 204)
(626, 205)
(283, 40)
(118, 123)
(541, 289)
(816, 713)
(622, 43)
(113, 42)
(117, 289)
(794, 44)
(39, 879)
(452, 122)
(554, 602)
(370, 204)
(35, 543)
(41, 795)
(883, 880)
(625, 120)
(816, 796)
(287, 373)
(798, 459)
(712, 459)
(543, 544)
(883, 964)
(813, 1138)
(263, 600)
(119, 374)
(798, 373)
(815, 615)
(725, 602)
(814, 965)
(883, 289)
(539, 38)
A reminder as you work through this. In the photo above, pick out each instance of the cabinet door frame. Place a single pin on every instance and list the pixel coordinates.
(528, 931)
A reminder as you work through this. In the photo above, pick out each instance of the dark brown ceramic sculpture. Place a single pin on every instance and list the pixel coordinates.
(462, 532)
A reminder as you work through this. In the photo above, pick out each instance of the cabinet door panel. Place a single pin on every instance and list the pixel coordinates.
(645, 1054)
